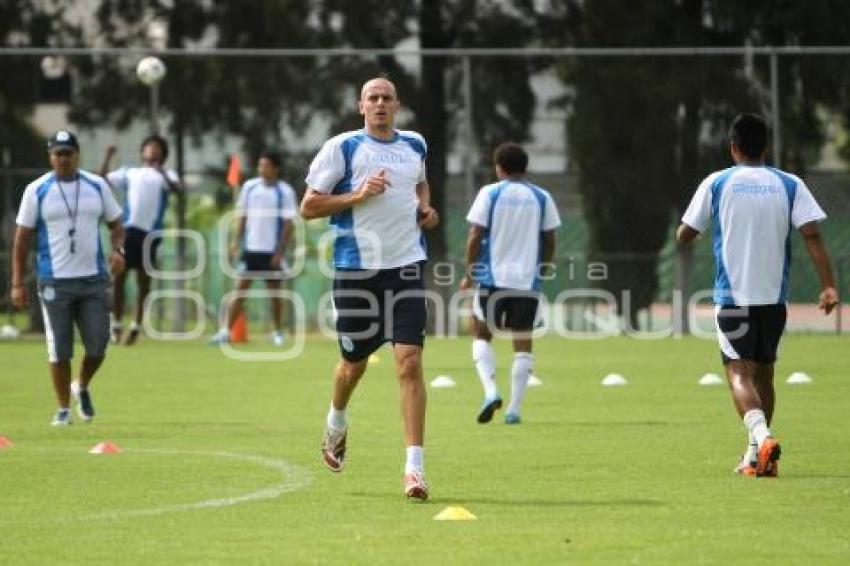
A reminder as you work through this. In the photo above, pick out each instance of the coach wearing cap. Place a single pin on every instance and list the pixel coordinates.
(62, 209)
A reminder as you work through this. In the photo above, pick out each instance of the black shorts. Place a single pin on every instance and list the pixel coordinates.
(750, 333)
(134, 244)
(387, 306)
(506, 309)
(259, 265)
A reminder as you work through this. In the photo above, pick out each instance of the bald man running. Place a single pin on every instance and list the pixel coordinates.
(372, 184)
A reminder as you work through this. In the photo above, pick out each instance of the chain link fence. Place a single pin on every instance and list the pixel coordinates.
(619, 137)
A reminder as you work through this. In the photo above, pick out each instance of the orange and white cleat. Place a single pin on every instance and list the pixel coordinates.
(746, 468)
(769, 453)
(333, 449)
(415, 486)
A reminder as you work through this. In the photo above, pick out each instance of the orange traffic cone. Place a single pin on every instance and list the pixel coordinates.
(239, 330)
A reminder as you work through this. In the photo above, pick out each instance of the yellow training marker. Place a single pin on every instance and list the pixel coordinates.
(453, 513)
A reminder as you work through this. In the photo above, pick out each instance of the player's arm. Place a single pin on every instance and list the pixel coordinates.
(428, 217)
(116, 238)
(280, 250)
(473, 248)
(20, 249)
(317, 204)
(686, 234)
(240, 232)
(107, 159)
(548, 250)
(820, 257)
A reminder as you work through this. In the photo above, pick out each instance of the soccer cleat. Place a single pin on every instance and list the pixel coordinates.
(115, 334)
(132, 335)
(512, 418)
(488, 408)
(62, 418)
(746, 468)
(333, 448)
(415, 486)
(277, 338)
(85, 408)
(220, 337)
(769, 453)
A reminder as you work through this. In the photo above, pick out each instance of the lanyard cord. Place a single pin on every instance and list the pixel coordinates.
(71, 216)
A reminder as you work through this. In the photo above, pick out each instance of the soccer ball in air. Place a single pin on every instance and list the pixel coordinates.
(150, 70)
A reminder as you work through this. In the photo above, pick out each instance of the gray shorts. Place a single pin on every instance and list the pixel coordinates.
(85, 301)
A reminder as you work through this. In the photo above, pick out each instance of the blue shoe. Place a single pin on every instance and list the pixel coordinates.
(512, 418)
(488, 408)
(85, 407)
(62, 418)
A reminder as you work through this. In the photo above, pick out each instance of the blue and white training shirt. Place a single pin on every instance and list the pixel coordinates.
(515, 213)
(146, 190)
(44, 209)
(265, 207)
(752, 210)
(382, 232)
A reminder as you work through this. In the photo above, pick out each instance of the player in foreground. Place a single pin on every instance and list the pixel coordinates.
(146, 189)
(752, 208)
(372, 184)
(264, 211)
(511, 241)
(62, 210)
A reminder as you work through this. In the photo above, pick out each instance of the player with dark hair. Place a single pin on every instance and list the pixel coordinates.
(511, 240)
(265, 209)
(751, 209)
(145, 189)
(62, 210)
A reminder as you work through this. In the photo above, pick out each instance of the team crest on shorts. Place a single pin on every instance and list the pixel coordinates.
(48, 293)
(347, 343)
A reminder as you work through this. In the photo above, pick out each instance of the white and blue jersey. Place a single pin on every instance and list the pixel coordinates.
(146, 193)
(515, 213)
(382, 232)
(68, 248)
(752, 211)
(265, 208)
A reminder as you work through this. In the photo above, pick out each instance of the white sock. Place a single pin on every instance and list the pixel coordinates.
(751, 454)
(336, 418)
(756, 423)
(485, 363)
(114, 324)
(415, 460)
(519, 379)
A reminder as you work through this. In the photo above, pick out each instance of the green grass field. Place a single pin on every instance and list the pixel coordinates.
(221, 462)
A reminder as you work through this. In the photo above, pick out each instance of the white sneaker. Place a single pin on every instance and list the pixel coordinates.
(277, 338)
(62, 418)
(220, 337)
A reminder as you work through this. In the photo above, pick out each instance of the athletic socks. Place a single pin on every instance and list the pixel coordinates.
(336, 418)
(756, 423)
(751, 454)
(485, 363)
(523, 361)
(415, 463)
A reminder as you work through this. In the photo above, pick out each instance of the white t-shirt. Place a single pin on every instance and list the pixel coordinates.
(146, 195)
(265, 208)
(382, 232)
(515, 213)
(752, 210)
(44, 209)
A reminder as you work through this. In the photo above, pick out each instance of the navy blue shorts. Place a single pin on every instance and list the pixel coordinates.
(750, 333)
(134, 249)
(506, 309)
(386, 306)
